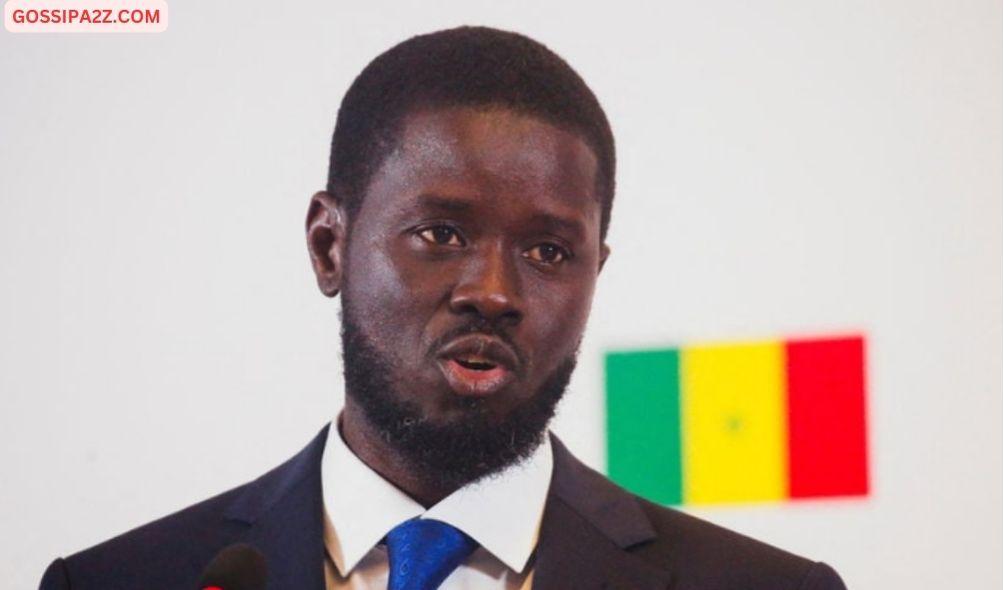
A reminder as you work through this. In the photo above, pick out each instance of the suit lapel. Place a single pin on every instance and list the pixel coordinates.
(284, 509)
(588, 526)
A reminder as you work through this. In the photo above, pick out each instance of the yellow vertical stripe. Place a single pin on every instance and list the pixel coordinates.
(734, 425)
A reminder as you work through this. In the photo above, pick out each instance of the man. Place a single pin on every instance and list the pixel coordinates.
(470, 188)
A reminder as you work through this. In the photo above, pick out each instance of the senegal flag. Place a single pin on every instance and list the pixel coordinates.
(747, 422)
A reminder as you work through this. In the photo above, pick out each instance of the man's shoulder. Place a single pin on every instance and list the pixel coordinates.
(706, 555)
(172, 551)
(692, 552)
(172, 548)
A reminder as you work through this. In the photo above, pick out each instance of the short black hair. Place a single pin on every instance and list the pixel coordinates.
(465, 66)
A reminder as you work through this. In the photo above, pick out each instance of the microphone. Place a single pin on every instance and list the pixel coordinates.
(237, 567)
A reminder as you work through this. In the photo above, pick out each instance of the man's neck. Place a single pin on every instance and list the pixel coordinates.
(373, 450)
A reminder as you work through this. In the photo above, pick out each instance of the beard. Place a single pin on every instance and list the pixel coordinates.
(458, 452)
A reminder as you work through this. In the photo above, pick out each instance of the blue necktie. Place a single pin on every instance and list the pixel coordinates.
(423, 552)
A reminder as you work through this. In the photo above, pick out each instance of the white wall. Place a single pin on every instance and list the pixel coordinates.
(785, 168)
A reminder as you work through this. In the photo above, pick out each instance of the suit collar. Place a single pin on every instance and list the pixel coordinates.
(284, 513)
(588, 528)
(602, 503)
(265, 492)
(589, 525)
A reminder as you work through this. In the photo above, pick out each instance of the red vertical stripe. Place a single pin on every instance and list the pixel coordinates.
(827, 450)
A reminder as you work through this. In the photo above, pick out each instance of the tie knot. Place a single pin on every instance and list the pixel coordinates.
(423, 552)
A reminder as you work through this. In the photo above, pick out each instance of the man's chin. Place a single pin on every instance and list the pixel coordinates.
(449, 409)
(466, 437)
(459, 444)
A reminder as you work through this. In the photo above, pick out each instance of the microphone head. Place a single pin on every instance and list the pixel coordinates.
(237, 567)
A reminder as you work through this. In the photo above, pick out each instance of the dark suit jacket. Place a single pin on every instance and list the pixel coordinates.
(593, 535)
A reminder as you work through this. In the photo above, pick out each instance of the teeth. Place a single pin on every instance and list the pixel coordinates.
(476, 363)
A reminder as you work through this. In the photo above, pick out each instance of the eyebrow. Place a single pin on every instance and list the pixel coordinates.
(451, 204)
(560, 224)
(461, 205)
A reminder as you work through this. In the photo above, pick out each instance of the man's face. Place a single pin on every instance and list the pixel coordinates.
(471, 264)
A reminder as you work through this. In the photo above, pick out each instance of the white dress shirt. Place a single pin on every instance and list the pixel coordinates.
(502, 513)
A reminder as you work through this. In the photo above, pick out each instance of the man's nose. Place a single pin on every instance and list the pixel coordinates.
(490, 287)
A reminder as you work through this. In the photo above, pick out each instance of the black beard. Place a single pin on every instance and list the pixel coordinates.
(445, 455)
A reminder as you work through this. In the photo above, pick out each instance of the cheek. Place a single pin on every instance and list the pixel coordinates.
(394, 298)
(374, 285)
(561, 318)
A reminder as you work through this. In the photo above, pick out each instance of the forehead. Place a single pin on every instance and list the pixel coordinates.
(495, 155)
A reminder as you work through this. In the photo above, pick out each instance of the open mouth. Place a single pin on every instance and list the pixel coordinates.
(474, 377)
(477, 365)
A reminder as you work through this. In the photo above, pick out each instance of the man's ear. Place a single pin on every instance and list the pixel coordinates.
(326, 233)
(604, 253)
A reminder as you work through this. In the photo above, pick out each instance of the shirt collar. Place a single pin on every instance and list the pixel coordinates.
(502, 512)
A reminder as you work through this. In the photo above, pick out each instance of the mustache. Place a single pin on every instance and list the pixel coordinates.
(479, 326)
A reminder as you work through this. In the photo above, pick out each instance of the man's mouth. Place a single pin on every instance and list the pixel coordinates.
(477, 365)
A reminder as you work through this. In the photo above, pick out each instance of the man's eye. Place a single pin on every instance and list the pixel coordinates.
(441, 235)
(547, 254)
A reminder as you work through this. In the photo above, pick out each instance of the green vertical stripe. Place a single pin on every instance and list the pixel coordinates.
(643, 423)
